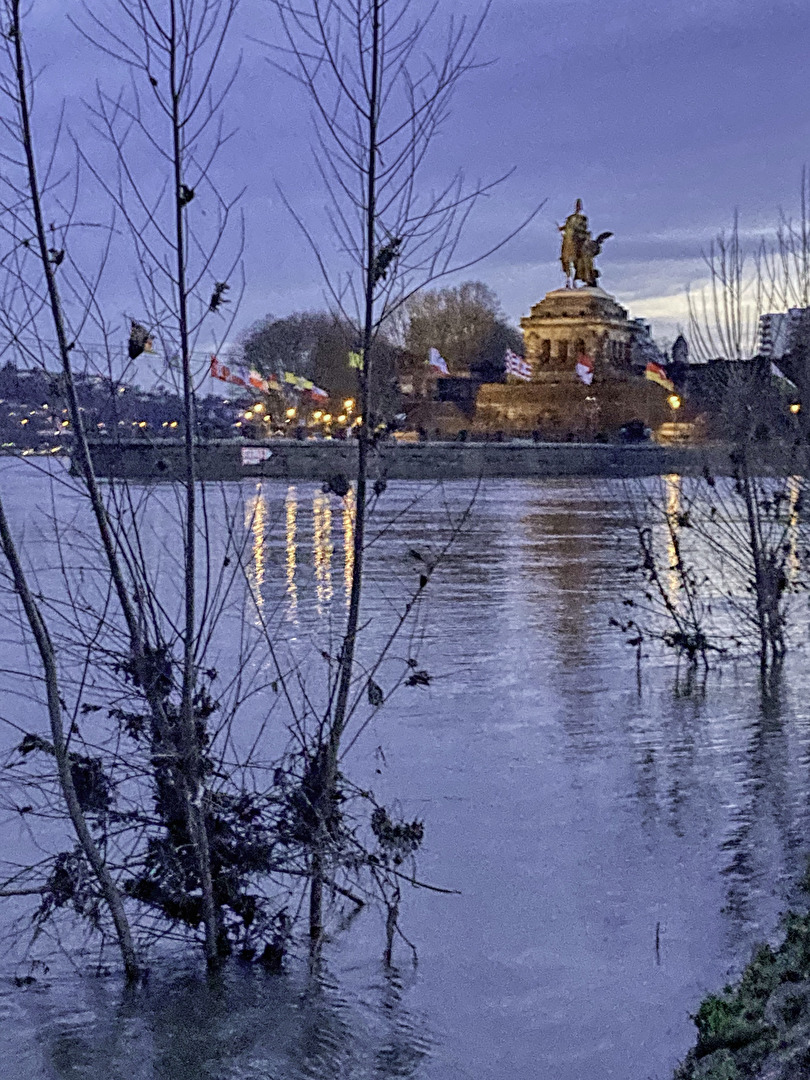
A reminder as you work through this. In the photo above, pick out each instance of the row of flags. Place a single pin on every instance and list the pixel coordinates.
(517, 366)
(250, 379)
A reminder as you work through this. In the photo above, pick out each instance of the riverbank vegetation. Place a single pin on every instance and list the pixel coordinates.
(758, 1026)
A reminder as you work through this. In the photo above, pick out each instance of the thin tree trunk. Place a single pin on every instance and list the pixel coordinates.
(192, 756)
(54, 301)
(192, 795)
(347, 651)
(88, 845)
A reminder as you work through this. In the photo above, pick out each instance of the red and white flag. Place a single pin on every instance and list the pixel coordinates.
(239, 376)
(517, 366)
(435, 359)
(584, 368)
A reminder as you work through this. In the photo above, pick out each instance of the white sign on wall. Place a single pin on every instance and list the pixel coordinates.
(255, 455)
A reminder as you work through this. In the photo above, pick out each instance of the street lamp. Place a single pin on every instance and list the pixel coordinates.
(674, 401)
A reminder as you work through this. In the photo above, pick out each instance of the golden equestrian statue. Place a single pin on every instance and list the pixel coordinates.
(579, 249)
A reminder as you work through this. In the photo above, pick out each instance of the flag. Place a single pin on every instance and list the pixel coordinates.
(655, 373)
(584, 368)
(517, 366)
(435, 359)
(140, 340)
(316, 391)
(239, 375)
(356, 359)
(224, 373)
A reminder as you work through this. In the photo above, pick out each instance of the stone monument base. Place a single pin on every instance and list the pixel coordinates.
(560, 407)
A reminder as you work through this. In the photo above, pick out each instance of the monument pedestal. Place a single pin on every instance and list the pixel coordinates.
(569, 322)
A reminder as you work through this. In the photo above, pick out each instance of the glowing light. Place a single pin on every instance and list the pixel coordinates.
(24, 421)
(290, 413)
(258, 407)
(342, 419)
(248, 415)
(268, 419)
(143, 424)
(65, 423)
(327, 417)
(795, 408)
(173, 423)
(674, 401)
(348, 404)
(317, 414)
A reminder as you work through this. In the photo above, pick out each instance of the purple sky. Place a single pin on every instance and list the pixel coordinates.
(662, 117)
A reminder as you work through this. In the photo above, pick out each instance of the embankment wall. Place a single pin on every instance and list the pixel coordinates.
(319, 460)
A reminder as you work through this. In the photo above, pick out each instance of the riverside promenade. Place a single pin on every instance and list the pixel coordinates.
(290, 459)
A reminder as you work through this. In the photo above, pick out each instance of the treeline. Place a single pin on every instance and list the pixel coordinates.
(465, 323)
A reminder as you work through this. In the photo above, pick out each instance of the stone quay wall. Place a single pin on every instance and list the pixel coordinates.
(228, 460)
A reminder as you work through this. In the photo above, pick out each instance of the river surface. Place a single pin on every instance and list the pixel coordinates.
(617, 847)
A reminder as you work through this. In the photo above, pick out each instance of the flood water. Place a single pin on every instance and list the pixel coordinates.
(579, 814)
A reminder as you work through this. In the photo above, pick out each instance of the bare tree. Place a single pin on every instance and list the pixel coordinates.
(721, 558)
(724, 315)
(380, 90)
(172, 52)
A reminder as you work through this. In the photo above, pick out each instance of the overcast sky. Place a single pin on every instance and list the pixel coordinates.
(662, 117)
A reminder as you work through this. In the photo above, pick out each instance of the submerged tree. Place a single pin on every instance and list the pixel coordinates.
(380, 75)
(187, 827)
(173, 55)
(721, 558)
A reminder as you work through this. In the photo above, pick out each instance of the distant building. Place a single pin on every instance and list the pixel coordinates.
(776, 332)
(680, 350)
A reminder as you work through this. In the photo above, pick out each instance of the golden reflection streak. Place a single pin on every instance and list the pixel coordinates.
(322, 548)
(291, 512)
(672, 487)
(794, 486)
(256, 521)
(349, 508)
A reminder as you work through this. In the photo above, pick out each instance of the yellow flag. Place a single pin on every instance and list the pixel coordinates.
(355, 359)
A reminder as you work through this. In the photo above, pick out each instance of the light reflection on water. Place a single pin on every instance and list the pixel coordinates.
(322, 550)
(572, 811)
(291, 508)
